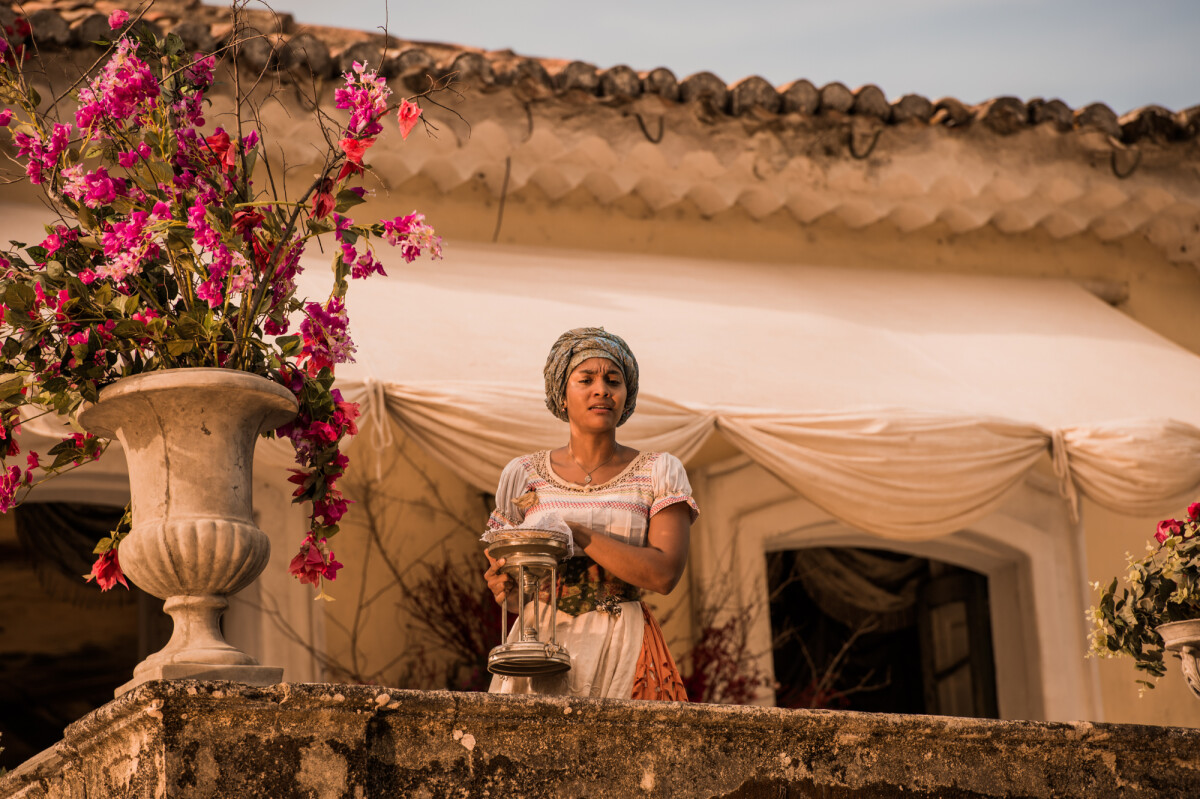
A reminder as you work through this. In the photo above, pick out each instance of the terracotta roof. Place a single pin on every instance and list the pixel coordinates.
(326, 51)
(561, 126)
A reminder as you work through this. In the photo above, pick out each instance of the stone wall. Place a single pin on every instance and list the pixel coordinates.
(191, 739)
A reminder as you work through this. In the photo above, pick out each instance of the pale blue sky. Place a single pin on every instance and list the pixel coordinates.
(1126, 53)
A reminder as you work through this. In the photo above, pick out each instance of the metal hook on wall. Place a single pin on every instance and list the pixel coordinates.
(529, 119)
(1137, 160)
(646, 132)
(855, 135)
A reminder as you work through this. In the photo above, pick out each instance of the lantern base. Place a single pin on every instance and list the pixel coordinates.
(528, 659)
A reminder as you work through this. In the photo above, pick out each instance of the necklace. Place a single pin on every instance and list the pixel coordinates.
(587, 479)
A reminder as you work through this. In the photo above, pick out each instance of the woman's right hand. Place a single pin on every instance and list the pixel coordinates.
(501, 585)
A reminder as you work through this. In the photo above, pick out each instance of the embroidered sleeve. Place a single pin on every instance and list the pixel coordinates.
(514, 484)
(670, 482)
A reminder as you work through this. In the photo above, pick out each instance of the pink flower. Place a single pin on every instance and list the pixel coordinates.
(246, 219)
(223, 150)
(10, 481)
(41, 155)
(5, 115)
(365, 265)
(346, 414)
(101, 189)
(1168, 528)
(124, 88)
(326, 337)
(365, 96)
(331, 509)
(106, 571)
(412, 236)
(118, 18)
(310, 564)
(323, 204)
(1194, 511)
(354, 149)
(407, 117)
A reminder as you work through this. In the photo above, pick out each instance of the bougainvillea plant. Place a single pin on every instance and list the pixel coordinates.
(165, 254)
(1163, 586)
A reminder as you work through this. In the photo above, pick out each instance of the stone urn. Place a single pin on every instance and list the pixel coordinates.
(189, 437)
(1184, 637)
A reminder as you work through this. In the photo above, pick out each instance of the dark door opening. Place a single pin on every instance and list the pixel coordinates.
(64, 645)
(878, 631)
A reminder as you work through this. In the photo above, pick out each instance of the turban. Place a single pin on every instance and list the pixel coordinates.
(578, 345)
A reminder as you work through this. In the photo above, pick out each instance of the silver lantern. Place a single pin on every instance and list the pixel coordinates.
(531, 559)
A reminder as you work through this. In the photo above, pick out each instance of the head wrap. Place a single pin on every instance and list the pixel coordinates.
(578, 345)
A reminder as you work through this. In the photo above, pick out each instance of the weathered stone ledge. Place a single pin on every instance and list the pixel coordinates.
(197, 739)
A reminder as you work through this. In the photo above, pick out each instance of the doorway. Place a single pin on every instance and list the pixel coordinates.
(65, 646)
(880, 631)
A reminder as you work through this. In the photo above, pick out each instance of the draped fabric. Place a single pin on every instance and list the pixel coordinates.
(856, 586)
(59, 538)
(896, 473)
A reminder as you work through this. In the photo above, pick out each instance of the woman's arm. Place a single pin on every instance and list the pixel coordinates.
(658, 565)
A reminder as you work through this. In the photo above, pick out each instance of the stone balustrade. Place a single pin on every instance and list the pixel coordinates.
(200, 739)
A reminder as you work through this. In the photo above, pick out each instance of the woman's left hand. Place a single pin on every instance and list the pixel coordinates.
(581, 534)
(656, 566)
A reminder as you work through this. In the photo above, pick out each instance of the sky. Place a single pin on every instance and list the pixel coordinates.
(1126, 53)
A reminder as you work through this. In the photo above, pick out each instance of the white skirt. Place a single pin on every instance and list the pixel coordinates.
(604, 650)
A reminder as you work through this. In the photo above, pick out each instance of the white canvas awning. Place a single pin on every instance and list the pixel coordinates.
(904, 404)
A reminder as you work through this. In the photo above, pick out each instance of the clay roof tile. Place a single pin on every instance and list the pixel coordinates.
(283, 44)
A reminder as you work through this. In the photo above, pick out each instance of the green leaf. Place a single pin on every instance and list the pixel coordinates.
(189, 327)
(10, 387)
(160, 171)
(289, 345)
(130, 328)
(85, 216)
(64, 458)
(346, 200)
(103, 295)
(179, 347)
(19, 297)
(55, 270)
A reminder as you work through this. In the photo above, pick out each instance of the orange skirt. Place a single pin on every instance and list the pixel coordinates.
(656, 675)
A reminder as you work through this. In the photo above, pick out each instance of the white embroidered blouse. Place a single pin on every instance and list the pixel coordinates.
(620, 508)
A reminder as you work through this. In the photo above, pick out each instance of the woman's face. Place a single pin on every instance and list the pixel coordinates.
(596, 394)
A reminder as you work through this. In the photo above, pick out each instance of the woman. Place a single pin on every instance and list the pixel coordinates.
(630, 513)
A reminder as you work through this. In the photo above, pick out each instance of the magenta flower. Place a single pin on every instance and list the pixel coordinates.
(365, 96)
(125, 88)
(326, 337)
(101, 189)
(118, 18)
(126, 246)
(10, 482)
(412, 236)
(41, 156)
(311, 564)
